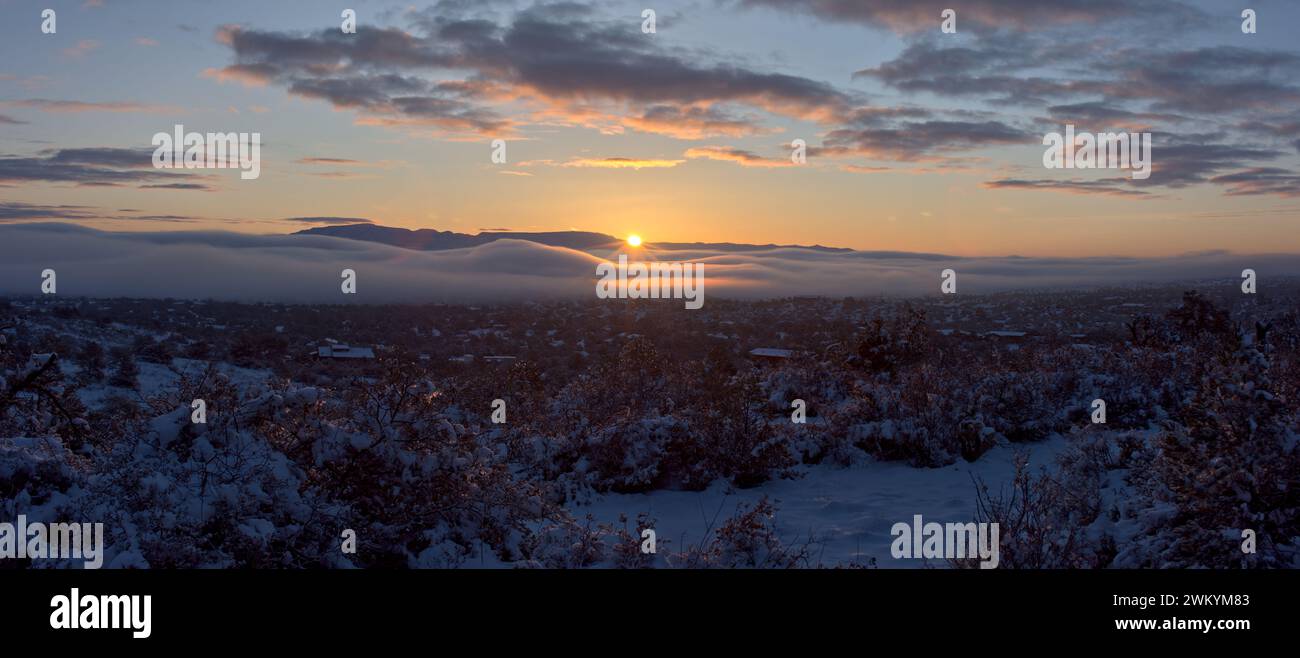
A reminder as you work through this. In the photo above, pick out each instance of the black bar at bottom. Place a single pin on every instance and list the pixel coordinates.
(213, 609)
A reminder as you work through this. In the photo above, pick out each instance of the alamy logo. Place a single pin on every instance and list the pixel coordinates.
(946, 541)
(56, 541)
(182, 150)
(1099, 151)
(651, 281)
(103, 612)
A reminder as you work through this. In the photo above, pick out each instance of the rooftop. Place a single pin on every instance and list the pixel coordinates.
(341, 351)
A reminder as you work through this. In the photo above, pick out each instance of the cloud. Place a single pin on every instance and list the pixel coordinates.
(694, 122)
(1097, 78)
(20, 211)
(739, 156)
(1180, 161)
(863, 169)
(68, 106)
(550, 63)
(178, 186)
(10, 120)
(915, 140)
(329, 161)
(914, 15)
(621, 163)
(328, 220)
(111, 167)
(306, 268)
(1183, 159)
(287, 268)
(1261, 180)
(598, 163)
(104, 157)
(340, 175)
(16, 210)
(1209, 80)
(346, 162)
(1109, 186)
(248, 75)
(158, 218)
(487, 69)
(1011, 68)
(82, 48)
(1107, 117)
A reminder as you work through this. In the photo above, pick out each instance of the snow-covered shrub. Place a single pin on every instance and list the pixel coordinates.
(975, 438)
(1020, 405)
(626, 552)
(627, 454)
(1043, 521)
(748, 540)
(1230, 463)
(887, 344)
(921, 417)
(839, 437)
(420, 484)
(566, 544)
(729, 437)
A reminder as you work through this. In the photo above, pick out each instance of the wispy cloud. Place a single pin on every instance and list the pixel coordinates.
(68, 106)
(738, 156)
(914, 15)
(1108, 186)
(82, 48)
(330, 161)
(15, 210)
(621, 163)
(327, 220)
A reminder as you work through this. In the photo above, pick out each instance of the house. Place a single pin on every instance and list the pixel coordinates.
(771, 354)
(342, 351)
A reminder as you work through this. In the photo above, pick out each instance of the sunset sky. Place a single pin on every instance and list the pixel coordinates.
(918, 140)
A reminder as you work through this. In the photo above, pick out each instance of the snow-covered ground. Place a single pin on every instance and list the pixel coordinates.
(848, 511)
(157, 379)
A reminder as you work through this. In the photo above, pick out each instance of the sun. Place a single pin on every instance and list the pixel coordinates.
(634, 240)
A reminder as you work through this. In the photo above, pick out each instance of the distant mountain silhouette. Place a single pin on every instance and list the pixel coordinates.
(427, 239)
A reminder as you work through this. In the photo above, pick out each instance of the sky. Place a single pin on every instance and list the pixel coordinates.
(917, 140)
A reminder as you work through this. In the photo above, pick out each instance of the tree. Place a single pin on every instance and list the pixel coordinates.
(93, 361)
(1198, 315)
(125, 370)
